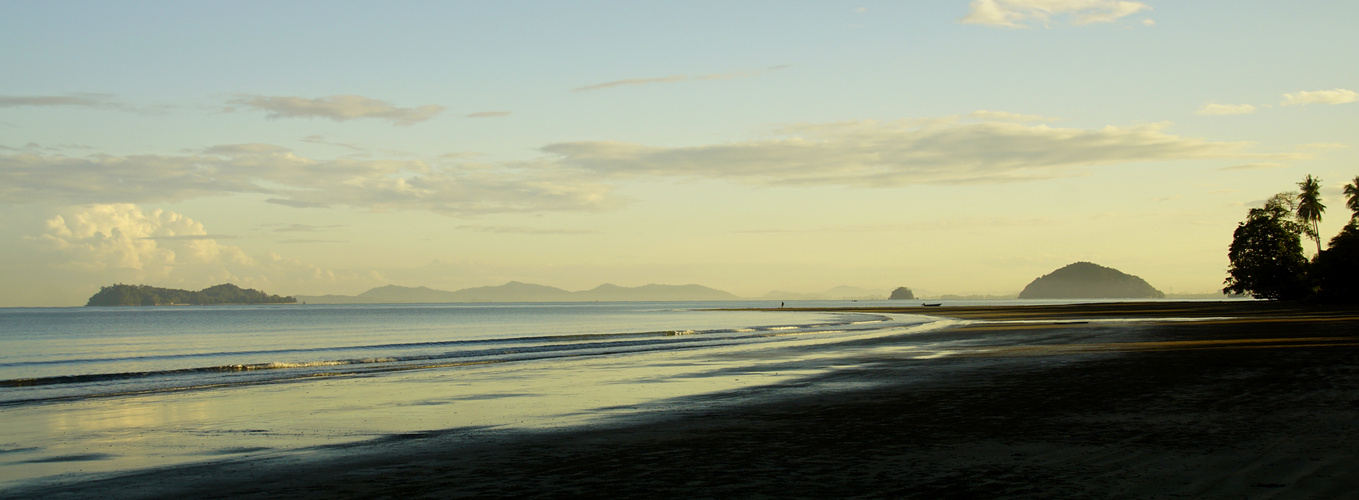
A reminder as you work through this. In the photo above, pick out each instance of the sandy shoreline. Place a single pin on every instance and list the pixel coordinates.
(1262, 405)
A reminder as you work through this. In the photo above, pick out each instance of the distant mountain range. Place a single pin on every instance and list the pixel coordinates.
(515, 291)
(837, 293)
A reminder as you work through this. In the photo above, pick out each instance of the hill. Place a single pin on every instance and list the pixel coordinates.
(143, 295)
(515, 291)
(1085, 280)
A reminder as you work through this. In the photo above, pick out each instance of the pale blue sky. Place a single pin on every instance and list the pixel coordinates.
(748, 146)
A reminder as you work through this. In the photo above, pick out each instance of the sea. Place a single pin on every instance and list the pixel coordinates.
(91, 391)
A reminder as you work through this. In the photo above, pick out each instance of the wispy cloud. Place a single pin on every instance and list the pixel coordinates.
(190, 237)
(320, 139)
(244, 149)
(1323, 145)
(1255, 166)
(584, 175)
(1215, 109)
(680, 78)
(77, 100)
(1333, 96)
(872, 154)
(338, 108)
(931, 225)
(631, 82)
(1024, 13)
(1010, 117)
(310, 242)
(524, 230)
(292, 180)
(302, 228)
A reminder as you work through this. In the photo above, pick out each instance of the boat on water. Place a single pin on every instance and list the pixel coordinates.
(936, 304)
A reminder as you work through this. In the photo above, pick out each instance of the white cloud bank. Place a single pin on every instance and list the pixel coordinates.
(1215, 109)
(1023, 13)
(1333, 96)
(105, 243)
(122, 236)
(872, 154)
(338, 108)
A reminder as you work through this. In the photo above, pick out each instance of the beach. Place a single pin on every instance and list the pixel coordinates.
(1128, 400)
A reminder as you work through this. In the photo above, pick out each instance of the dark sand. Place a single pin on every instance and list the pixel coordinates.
(1262, 406)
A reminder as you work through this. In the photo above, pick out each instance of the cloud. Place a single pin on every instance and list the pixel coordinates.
(583, 176)
(338, 108)
(309, 242)
(1255, 166)
(872, 154)
(1010, 117)
(524, 230)
(319, 139)
(489, 114)
(292, 180)
(78, 100)
(107, 243)
(244, 149)
(679, 78)
(1022, 13)
(631, 81)
(1323, 145)
(302, 228)
(1333, 96)
(1215, 109)
(728, 76)
(123, 236)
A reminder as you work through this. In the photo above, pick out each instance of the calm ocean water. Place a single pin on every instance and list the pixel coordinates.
(64, 353)
(97, 390)
(87, 391)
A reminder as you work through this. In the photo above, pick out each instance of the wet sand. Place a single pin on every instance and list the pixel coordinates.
(1261, 402)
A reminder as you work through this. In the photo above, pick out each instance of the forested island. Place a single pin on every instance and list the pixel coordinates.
(143, 295)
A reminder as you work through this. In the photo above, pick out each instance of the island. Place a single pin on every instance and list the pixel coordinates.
(1085, 280)
(902, 293)
(144, 295)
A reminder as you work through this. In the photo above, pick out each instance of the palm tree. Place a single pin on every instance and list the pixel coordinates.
(1352, 197)
(1310, 208)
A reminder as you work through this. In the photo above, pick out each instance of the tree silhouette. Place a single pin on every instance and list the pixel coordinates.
(1310, 208)
(1352, 198)
(1266, 253)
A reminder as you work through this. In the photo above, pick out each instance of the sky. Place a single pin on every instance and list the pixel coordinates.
(951, 146)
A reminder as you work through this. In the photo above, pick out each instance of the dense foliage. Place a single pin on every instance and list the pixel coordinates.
(143, 295)
(1266, 259)
(1266, 254)
(1336, 270)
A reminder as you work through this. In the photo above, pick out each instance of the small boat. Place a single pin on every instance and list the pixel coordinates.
(936, 304)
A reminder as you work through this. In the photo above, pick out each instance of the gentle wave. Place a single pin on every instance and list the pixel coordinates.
(414, 345)
(560, 344)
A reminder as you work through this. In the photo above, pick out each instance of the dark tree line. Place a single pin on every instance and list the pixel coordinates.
(143, 295)
(1266, 259)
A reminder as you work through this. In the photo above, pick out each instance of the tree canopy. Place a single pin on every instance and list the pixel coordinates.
(1266, 253)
